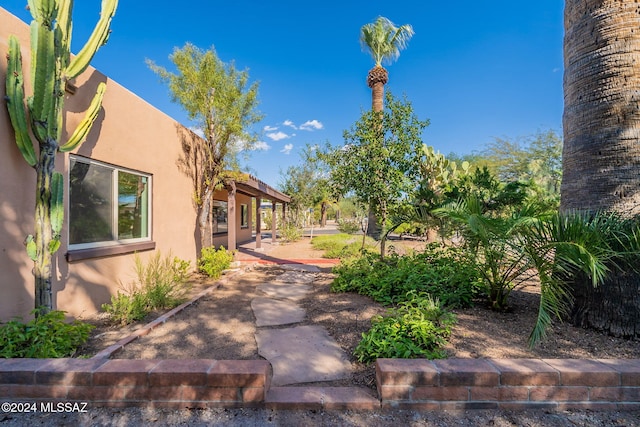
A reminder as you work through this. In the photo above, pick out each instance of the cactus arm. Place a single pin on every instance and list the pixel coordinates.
(57, 210)
(15, 102)
(43, 81)
(99, 37)
(84, 127)
(64, 25)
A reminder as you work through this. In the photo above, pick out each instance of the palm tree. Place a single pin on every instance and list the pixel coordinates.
(384, 41)
(601, 153)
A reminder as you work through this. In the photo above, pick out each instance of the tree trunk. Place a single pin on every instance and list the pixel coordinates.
(612, 308)
(601, 152)
(323, 214)
(43, 232)
(206, 239)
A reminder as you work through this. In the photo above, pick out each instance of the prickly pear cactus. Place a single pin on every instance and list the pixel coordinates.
(37, 119)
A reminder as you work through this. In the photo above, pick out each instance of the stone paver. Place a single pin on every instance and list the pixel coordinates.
(301, 267)
(273, 312)
(291, 291)
(295, 277)
(302, 354)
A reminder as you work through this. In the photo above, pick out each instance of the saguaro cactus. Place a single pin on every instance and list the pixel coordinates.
(41, 119)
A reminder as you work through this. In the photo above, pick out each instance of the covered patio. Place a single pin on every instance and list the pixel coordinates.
(257, 189)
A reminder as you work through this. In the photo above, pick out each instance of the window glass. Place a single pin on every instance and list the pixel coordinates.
(132, 206)
(220, 223)
(107, 204)
(90, 207)
(244, 216)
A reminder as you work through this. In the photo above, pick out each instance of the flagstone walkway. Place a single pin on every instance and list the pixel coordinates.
(298, 354)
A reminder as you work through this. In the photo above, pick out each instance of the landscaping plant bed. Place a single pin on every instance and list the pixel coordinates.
(221, 325)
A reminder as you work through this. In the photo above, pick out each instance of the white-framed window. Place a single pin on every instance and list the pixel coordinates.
(108, 205)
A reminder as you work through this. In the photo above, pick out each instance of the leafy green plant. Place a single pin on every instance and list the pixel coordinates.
(291, 233)
(126, 308)
(349, 226)
(418, 327)
(213, 262)
(447, 273)
(46, 336)
(161, 283)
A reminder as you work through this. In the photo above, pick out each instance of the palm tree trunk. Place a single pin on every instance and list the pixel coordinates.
(376, 79)
(601, 153)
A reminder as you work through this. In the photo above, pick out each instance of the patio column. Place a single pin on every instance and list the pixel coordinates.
(274, 221)
(258, 224)
(231, 216)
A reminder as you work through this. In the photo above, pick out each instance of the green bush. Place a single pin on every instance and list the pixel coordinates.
(161, 284)
(213, 262)
(291, 233)
(349, 226)
(126, 308)
(418, 327)
(46, 336)
(447, 273)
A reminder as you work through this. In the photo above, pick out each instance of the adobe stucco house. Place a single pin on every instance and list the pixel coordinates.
(124, 192)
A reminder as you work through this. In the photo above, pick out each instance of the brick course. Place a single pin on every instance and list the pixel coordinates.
(451, 384)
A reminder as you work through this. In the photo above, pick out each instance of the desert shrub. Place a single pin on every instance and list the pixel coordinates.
(126, 308)
(46, 336)
(418, 327)
(161, 284)
(214, 261)
(291, 233)
(349, 226)
(445, 272)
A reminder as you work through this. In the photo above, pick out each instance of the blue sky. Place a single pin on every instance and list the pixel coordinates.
(476, 69)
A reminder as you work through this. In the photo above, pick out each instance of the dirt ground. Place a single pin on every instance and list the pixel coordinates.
(222, 326)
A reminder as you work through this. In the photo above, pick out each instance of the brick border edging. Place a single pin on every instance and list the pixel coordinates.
(417, 384)
(453, 384)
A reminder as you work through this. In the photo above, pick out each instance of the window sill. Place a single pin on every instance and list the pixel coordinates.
(105, 251)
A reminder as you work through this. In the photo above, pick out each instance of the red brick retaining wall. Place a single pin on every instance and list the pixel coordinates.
(123, 382)
(412, 384)
(509, 383)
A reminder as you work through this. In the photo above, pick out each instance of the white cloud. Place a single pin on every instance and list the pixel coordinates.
(270, 128)
(289, 123)
(261, 146)
(311, 125)
(287, 149)
(277, 136)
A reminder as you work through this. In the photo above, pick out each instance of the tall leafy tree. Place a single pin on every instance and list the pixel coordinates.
(51, 67)
(380, 161)
(601, 153)
(222, 103)
(308, 184)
